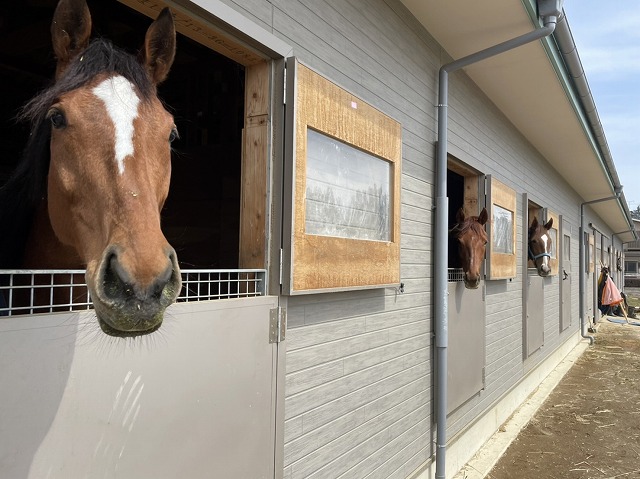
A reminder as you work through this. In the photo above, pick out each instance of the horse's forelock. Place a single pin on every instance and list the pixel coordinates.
(470, 223)
(533, 230)
(101, 56)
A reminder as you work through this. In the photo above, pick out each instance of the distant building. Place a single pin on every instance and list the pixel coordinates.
(632, 260)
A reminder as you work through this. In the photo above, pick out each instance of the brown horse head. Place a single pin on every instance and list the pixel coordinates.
(472, 239)
(540, 246)
(110, 165)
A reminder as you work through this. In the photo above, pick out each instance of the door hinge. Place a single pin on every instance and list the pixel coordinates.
(277, 324)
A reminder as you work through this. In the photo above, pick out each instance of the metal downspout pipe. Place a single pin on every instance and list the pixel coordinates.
(549, 11)
(582, 274)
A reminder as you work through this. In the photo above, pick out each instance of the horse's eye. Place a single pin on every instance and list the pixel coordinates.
(57, 119)
(173, 135)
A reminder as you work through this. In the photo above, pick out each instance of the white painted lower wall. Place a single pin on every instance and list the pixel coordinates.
(472, 453)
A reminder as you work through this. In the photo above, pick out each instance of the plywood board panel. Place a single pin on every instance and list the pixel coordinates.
(328, 262)
(501, 203)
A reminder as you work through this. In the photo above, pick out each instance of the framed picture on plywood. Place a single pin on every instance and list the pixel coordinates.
(501, 250)
(342, 189)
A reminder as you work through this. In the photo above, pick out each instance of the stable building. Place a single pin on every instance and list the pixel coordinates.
(319, 169)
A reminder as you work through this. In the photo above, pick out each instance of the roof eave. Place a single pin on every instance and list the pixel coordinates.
(556, 117)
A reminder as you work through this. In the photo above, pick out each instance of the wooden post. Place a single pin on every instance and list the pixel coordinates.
(254, 179)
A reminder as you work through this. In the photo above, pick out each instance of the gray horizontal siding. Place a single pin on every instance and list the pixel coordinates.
(359, 371)
(368, 413)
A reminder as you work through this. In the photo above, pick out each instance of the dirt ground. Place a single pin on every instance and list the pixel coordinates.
(589, 427)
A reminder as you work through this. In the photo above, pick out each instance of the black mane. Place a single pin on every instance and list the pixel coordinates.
(27, 186)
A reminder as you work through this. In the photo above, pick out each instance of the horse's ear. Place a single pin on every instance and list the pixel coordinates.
(460, 216)
(484, 216)
(549, 224)
(159, 46)
(534, 223)
(70, 31)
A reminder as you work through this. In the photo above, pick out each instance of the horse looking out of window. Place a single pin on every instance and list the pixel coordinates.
(472, 240)
(95, 174)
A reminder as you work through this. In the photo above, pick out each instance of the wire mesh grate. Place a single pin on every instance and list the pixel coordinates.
(50, 291)
(456, 275)
(204, 285)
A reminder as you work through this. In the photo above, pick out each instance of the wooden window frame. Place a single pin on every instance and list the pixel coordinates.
(501, 265)
(472, 179)
(315, 263)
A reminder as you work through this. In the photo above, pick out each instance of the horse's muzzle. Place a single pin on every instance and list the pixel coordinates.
(471, 283)
(544, 272)
(124, 306)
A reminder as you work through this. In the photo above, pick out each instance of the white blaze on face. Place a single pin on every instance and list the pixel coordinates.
(545, 242)
(121, 101)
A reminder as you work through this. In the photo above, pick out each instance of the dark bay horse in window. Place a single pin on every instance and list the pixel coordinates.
(95, 174)
(539, 249)
(472, 239)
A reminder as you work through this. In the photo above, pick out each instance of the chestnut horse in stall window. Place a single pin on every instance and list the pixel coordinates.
(472, 239)
(539, 249)
(95, 174)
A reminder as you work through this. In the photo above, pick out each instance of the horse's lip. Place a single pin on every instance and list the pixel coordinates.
(111, 331)
(116, 322)
(122, 318)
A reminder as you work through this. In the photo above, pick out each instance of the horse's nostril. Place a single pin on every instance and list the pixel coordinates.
(117, 283)
(115, 279)
(156, 289)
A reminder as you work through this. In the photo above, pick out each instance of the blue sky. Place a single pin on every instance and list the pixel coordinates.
(608, 41)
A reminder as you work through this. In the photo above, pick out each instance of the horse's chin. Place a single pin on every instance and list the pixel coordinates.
(471, 284)
(119, 333)
(125, 321)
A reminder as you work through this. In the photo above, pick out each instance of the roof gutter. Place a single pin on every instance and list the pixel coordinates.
(548, 10)
(569, 53)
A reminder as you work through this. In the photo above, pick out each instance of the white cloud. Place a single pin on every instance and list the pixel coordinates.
(613, 63)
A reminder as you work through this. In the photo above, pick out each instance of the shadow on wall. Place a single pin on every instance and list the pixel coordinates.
(177, 403)
(36, 354)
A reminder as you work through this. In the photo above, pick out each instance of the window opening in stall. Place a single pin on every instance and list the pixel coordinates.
(205, 91)
(462, 189)
(534, 211)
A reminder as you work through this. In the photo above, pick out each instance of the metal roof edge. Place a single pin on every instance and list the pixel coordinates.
(564, 58)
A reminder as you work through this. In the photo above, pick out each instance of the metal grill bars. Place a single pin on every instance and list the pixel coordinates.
(207, 284)
(455, 275)
(48, 291)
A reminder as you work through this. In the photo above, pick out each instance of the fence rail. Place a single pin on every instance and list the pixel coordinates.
(49, 291)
